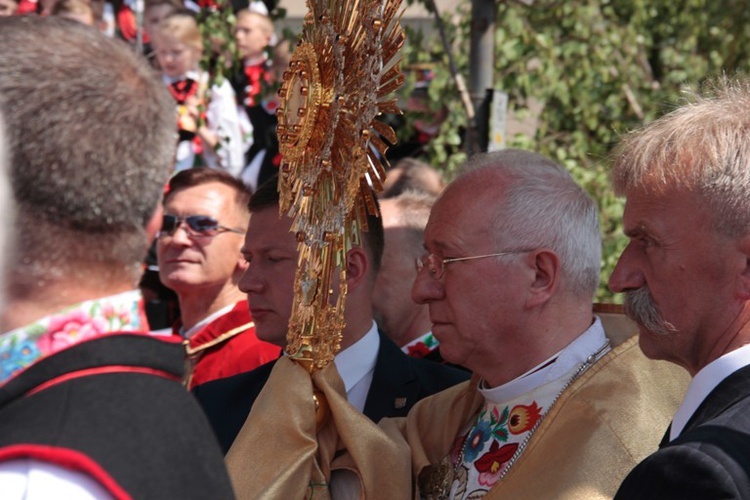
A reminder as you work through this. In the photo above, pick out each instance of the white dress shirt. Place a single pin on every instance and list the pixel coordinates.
(356, 365)
(205, 321)
(706, 381)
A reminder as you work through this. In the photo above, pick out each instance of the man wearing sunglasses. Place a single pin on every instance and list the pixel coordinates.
(198, 249)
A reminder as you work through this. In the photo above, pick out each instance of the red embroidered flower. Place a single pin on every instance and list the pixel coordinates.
(491, 463)
(523, 418)
(418, 350)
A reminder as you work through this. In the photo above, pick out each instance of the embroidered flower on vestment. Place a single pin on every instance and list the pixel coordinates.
(490, 465)
(423, 347)
(477, 437)
(523, 418)
(24, 346)
(419, 350)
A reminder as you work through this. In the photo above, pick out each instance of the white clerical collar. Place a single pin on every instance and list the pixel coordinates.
(205, 321)
(552, 368)
(357, 360)
(706, 381)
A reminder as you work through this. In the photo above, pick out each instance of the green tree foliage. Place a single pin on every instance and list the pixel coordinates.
(590, 71)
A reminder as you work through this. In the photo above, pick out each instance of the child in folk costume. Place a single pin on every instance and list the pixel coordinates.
(254, 32)
(209, 130)
(154, 12)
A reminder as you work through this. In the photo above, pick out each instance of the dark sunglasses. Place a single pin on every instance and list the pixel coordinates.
(196, 225)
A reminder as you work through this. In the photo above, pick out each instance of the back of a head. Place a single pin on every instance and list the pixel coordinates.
(6, 208)
(176, 5)
(410, 174)
(409, 211)
(76, 10)
(541, 206)
(90, 132)
(701, 147)
(267, 196)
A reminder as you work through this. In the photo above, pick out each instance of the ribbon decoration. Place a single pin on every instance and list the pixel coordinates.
(345, 67)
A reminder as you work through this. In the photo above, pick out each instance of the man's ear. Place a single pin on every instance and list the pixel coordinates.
(357, 267)
(154, 224)
(242, 265)
(545, 265)
(743, 282)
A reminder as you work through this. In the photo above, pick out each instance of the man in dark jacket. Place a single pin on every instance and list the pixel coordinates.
(380, 380)
(686, 279)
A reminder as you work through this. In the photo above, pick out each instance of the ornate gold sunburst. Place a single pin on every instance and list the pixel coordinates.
(340, 79)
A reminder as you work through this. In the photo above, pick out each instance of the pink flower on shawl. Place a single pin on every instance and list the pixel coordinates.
(68, 329)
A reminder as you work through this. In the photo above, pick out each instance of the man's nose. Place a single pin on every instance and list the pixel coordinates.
(626, 275)
(426, 289)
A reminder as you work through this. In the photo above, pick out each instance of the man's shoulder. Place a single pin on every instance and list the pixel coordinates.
(722, 421)
(712, 451)
(236, 384)
(433, 377)
(713, 463)
(227, 325)
(226, 402)
(438, 372)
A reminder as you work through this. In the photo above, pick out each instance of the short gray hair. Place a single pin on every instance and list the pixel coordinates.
(543, 207)
(703, 146)
(91, 138)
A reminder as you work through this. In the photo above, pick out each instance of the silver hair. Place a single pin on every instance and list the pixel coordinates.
(543, 207)
(701, 147)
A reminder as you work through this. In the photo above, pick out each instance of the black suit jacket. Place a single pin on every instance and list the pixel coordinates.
(398, 382)
(710, 459)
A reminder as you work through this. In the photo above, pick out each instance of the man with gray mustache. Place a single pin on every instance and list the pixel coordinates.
(686, 279)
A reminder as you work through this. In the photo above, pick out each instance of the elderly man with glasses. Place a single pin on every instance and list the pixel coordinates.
(557, 407)
(198, 248)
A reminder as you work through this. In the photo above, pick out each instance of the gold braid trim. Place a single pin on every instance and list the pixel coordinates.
(191, 351)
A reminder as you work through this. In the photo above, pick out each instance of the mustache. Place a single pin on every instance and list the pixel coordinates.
(640, 307)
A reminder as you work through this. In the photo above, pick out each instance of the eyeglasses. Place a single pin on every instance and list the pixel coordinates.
(436, 266)
(196, 226)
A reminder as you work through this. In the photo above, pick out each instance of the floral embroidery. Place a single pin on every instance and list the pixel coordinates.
(490, 444)
(69, 329)
(419, 350)
(490, 465)
(17, 356)
(422, 346)
(523, 418)
(475, 442)
(25, 346)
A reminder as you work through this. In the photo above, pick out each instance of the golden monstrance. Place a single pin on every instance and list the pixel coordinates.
(341, 77)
